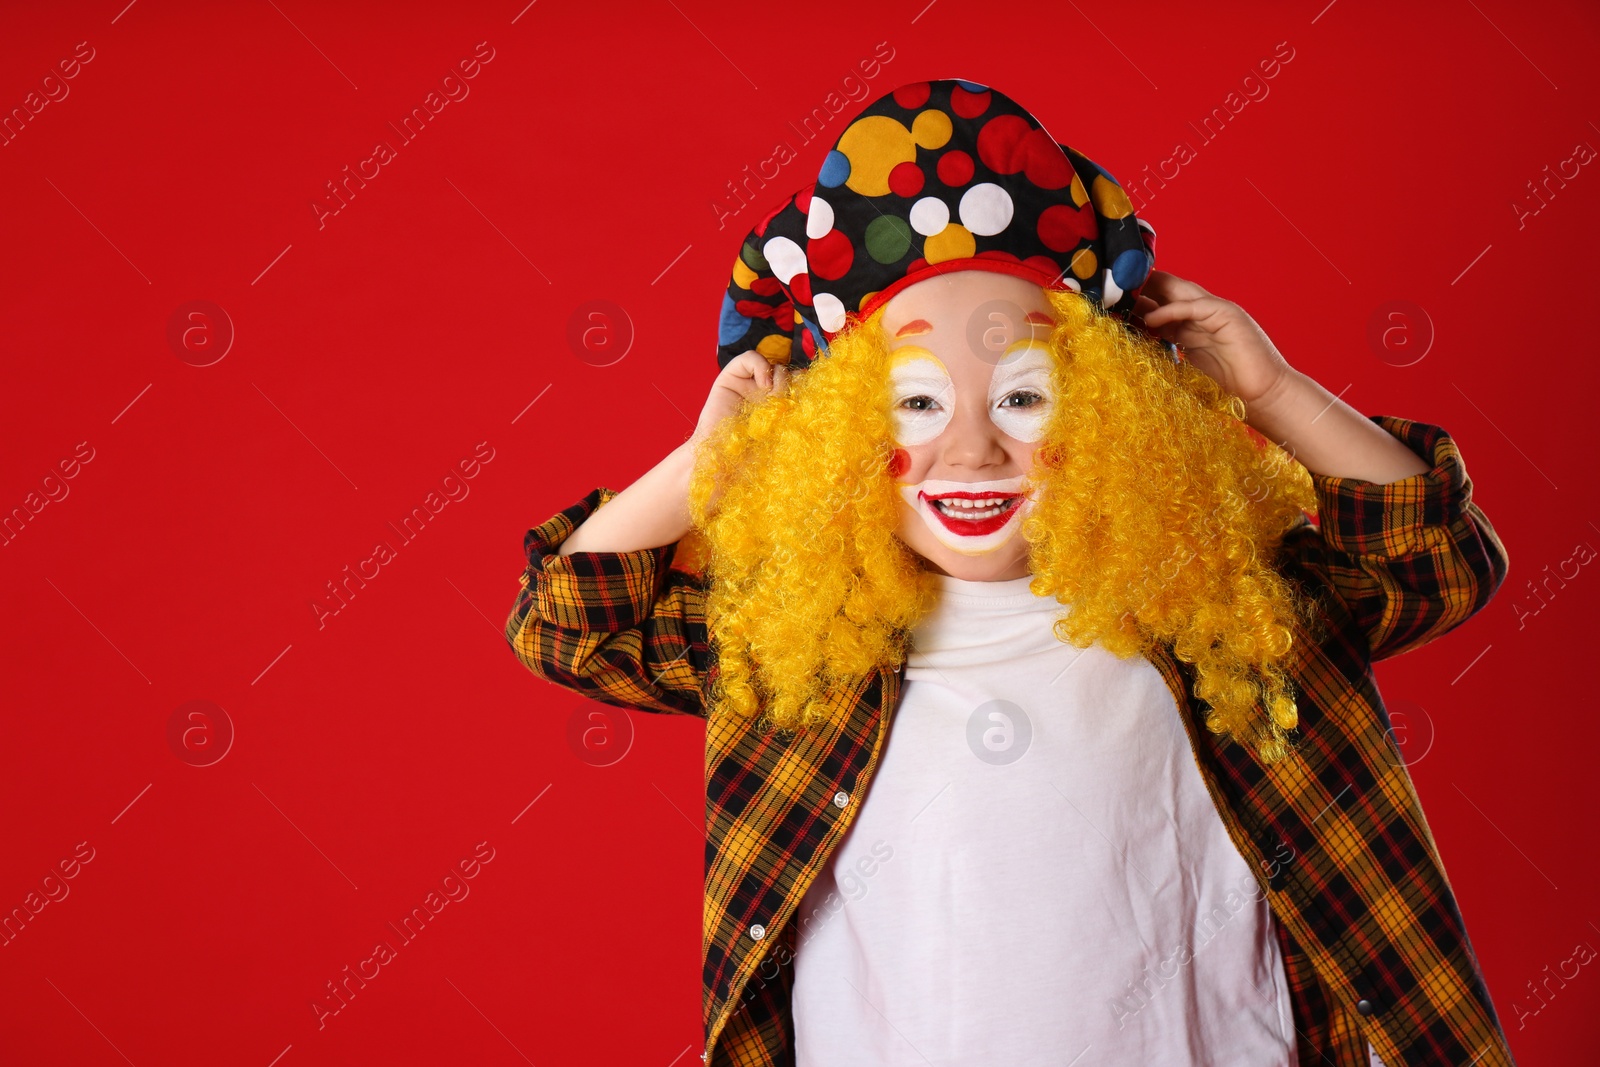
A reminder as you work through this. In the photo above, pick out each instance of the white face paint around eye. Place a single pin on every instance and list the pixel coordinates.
(1024, 370)
(918, 373)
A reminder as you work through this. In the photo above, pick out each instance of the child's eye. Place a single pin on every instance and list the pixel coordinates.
(1029, 399)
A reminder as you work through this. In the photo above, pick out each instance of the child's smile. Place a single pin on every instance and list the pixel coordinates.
(969, 516)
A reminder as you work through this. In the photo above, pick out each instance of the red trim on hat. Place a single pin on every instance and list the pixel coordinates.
(1015, 268)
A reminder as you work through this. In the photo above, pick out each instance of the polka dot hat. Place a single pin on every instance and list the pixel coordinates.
(936, 176)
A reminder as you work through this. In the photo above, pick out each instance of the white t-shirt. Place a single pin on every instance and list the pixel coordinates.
(1037, 874)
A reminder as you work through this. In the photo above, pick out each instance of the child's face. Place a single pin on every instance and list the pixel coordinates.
(969, 388)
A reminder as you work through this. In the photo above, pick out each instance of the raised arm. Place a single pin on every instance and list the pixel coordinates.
(602, 609)
(654, 510)
(1412, 558)
(622, 627)
(1399, 540)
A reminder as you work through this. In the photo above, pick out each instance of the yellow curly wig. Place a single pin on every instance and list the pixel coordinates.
(1156, 518)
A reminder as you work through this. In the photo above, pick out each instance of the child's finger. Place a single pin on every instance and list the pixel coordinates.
(764, 372)
(1171, 286)
(1172, 311)
(745, 371)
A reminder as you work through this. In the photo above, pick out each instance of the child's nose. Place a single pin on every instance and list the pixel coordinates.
(973, 439)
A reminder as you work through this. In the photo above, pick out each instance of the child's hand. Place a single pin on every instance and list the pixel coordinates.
(1217, 336)
(748, 375)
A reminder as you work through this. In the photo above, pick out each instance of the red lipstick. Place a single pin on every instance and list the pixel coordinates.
(972, 527)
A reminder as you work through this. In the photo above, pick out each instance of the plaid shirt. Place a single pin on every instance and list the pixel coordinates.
(1373, 943)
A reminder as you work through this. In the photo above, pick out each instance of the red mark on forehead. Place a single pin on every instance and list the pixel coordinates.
(915, 326)
(1039, 318)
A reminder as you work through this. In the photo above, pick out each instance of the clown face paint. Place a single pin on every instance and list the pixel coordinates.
(1021, 397)
(969, 385)
(922, 393)
(970, 517)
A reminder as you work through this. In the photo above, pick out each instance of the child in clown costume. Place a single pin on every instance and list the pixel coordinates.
(1040, 714)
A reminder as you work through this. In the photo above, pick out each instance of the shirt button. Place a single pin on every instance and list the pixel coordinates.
(840, 799)
(1364, 1007)
(758, 932)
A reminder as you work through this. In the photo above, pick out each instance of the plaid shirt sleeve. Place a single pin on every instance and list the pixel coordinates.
(622, 628)
(1410, 560)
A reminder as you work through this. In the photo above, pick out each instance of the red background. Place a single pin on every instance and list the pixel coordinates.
(374, 353)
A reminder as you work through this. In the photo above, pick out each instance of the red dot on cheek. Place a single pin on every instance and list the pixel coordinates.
(899, 463)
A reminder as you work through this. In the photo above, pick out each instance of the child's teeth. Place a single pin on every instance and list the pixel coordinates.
(973, 509)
